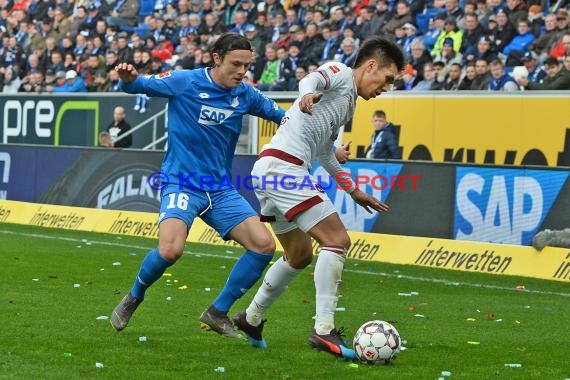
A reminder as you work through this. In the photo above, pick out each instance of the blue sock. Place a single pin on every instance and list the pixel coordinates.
(152, 268)
(244, 274)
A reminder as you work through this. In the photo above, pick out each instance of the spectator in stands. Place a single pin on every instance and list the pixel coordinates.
(562, 21)
(483, 12)
(562, 48)
(435, 28)
(484, 51)
(408, 81)
(101, 81)
(163, 50)
(483, 77)
(429, 82)
(453, 10)
(93, 16)
(88, 73)
(536, 19)
(420, 56)
(314, 43)
(124, 13)
(410, 34)
(380, 17)
(384, 143)
(535, 72)
(46, 29)
(113, 78)
(517, 11)
(270, 71)
(117, 128)
(453, 78)
(519, 44)
(31, 83)
(558, 76)
(69, 63)
(450, 31)
(364, 23)
(72, 83)
(501, 81)
(124, 51)
(401, 17)
(448, 53)
(440, 71)
(546, 40)
(61, 22)
(77, 21)
(300, 73)
(503, 34)
(211, 24)
(286, 77)
(348, 52)
(467, 81)
(10, 80)
(472, 34)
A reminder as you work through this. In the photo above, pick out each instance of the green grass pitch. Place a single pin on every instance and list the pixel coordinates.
(54, 284)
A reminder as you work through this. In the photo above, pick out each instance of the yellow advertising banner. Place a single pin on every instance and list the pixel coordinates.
(501, 259)
(522, 128)
(501, 129)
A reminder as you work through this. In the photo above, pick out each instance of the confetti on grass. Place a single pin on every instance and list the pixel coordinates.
(102, 318)
(473, 342)
(99, 365)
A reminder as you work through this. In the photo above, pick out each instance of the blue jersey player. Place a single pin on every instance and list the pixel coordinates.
(205, 109)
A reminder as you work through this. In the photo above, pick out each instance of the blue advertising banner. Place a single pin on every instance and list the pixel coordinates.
(373, 178)
(502, 205)
(26, 172)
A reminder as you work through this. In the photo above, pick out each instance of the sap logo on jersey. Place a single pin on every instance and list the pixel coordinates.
(213, 115)
(503, 205)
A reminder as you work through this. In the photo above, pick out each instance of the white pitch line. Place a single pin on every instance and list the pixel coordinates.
(380, 274)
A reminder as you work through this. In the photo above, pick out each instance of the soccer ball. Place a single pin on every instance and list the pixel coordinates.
(377, 342)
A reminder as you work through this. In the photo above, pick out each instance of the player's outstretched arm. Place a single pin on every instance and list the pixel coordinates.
(127, 72)
(368, 201)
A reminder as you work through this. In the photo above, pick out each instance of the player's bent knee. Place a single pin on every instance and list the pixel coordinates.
(302, 261)
(171, 251)
(264, 244)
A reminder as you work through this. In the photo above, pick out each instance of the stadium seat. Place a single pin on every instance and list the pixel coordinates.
(422, 22)
(146, 8)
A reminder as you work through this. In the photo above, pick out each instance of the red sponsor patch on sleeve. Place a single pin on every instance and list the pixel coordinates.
(163, 75)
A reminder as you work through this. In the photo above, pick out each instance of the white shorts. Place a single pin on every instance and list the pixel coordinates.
(289, 195)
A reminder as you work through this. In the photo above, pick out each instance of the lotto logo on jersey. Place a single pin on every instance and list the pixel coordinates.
(213, 115)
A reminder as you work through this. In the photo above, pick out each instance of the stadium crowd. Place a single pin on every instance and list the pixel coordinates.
(73, 46)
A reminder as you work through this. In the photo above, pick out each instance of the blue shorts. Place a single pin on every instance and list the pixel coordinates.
(222, 210)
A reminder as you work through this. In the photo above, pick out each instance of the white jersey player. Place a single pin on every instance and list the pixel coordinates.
(293, 201)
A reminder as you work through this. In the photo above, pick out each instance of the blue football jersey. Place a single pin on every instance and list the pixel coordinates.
(204, 123)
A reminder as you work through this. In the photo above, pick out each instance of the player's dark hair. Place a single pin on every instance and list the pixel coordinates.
(229, 42)
(382, 50)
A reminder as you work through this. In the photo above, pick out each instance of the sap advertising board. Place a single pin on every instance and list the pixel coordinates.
(503, 205)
